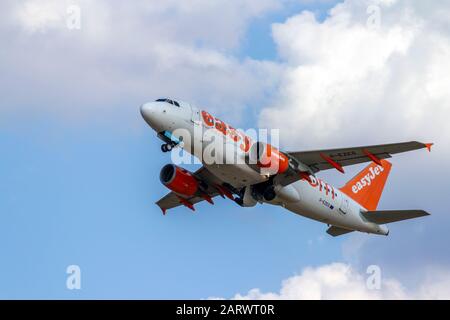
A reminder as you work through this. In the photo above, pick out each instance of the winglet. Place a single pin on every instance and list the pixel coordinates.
(428, 146)
(163, 210)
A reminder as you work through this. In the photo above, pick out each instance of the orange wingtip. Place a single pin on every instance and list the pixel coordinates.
(428, 146)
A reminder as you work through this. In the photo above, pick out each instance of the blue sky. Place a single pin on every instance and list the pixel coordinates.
(80, 168)
(86, 197)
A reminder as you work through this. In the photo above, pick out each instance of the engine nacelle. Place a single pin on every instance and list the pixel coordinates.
(268, 158)
(178, 180)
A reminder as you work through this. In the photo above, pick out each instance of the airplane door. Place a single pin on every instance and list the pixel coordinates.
(344, 206)
(195, 116)
(197, 133)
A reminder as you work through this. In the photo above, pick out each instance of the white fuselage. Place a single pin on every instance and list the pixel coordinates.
(314, 199)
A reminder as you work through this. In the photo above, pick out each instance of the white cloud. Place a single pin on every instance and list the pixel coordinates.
(341, 83)
(344, 82)
(40, 15)
(339, 281)
(125, 54)
(219, 23)
(334, 73)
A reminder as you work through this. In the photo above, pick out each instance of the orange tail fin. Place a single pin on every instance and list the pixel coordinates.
(367, 186)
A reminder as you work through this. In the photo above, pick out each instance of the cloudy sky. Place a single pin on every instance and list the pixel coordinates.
(79, 167)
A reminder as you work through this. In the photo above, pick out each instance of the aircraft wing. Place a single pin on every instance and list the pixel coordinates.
(172, 200)
(337, 158)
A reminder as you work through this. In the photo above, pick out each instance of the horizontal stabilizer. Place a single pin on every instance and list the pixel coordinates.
(388, 216)
(336, 231)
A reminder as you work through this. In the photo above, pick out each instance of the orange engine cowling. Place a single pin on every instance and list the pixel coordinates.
(178, 180)
(269, 158)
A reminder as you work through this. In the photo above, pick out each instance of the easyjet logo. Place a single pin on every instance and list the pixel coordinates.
(227, 130)
(367, 179)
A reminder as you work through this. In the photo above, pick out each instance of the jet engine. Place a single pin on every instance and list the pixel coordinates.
(178, 180)
(269, 159)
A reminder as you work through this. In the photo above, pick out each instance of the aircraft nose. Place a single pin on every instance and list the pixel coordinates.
(149, 113)
(146, 109)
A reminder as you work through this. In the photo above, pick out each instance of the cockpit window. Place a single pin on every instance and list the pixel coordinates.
(173, 102)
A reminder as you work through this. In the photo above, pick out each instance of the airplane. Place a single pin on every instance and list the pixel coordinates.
(264, 174)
